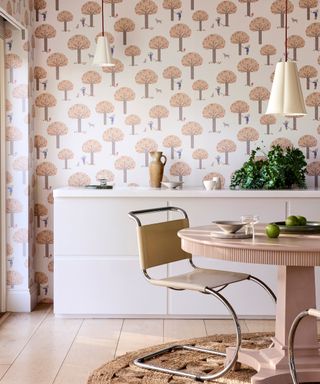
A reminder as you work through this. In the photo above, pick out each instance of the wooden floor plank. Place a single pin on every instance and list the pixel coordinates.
(223, 326)
(176, 329)
(260, 325)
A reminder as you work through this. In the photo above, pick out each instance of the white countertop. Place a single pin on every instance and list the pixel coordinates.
(185, 192)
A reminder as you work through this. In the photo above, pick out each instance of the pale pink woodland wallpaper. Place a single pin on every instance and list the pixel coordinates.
(192, 79)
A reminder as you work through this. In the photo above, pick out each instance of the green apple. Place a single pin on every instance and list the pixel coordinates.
(292, 221)
(272, 230)
(302, 220)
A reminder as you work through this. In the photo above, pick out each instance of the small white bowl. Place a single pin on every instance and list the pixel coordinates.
(229, 226)
(172, 184)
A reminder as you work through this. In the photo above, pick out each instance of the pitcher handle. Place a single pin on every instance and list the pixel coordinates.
(165, 159)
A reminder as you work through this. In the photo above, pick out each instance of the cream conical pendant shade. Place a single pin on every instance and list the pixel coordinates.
(286, 96)
(103, 56)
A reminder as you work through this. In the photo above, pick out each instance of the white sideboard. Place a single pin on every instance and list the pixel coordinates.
(96, 269)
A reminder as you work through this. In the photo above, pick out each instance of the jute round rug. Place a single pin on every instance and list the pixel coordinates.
(122, 370)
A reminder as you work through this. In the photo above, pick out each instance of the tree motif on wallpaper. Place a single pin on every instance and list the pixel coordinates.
(307, 142)
(226, 78)
(39, 73)
(283, 142)
(213, 42)
(79, 179)
(21, 92)
(248, 3)
(20, 164)
(45, 100)
(200, 86)
(239, 38)
(14, 278)
(12, 62)
(124, 163)
(268, 50)
(39, 5)
(13, 134)
(295, 42)
(133, 121)
(91, 8)
(278, 7)
(146, 77)
(45, 32)
(57, 60)
(108, 35)
(313, 100)
(113, 6)
(78, 43)
(226, 8)
(308, 5)
(104, 107)
(21, 237)
(124, 25)
(192, 60)
(40, 211)
(132, 51)
(200, 16)
(180, 100)
(200, 155)
(105, 174)
(213, 112)
(91, 147)
(260, 24)
(172, 142)
(91, 78)
(65, 86)
(65, 17)
(158, 112)
(79, 112)
(308, 72)
(180, 31)
(42, 280)
(239, 107)
(248, 134)
(39, 143)
(9, 177)
(313, 169)
(248, 65)
(158, 43)
(172, 5)
(172, 73)
(45, 238)
(124, 95)
(13, 206)
(57, 129)
(65, 155)
(180, 169)
(268, 120)
(226, 146)
(46, 169)
(113, 135)
(191, 129)
(313, 30)
(259, 94)
(146, 8)
(146, 146)
(117, 68)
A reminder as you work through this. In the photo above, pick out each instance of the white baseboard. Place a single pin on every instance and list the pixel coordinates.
(22, 300)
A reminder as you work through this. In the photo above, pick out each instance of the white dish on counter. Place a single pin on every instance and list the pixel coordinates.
(172, 184)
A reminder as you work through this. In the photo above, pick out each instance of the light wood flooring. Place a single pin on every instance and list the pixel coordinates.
(37, 348)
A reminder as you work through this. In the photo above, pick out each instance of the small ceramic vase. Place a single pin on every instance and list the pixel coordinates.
(156, 168)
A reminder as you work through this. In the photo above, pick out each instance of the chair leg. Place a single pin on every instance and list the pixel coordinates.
(264, 286)
(141, 361)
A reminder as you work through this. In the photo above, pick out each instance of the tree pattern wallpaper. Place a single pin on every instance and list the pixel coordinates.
(191, 78)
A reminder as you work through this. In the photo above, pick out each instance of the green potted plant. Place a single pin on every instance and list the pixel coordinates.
(278, 169)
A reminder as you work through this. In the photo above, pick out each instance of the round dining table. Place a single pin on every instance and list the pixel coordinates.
(296, 256)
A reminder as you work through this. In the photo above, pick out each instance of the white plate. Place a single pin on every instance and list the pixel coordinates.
(224, 235)
(172, 184)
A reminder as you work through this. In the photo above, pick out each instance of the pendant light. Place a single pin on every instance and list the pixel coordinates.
(286, 96)
(103, 56)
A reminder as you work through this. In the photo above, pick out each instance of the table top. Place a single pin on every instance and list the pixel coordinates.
(287, 249)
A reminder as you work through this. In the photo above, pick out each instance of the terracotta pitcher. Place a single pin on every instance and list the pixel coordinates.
(156, 168)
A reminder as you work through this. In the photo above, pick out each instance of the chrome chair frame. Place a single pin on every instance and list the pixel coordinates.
(141, 361)
(292, 366)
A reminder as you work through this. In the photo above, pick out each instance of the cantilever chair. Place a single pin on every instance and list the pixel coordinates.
(292, 366)
(158, 245)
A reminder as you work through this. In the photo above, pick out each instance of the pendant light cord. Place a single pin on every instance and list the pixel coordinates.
(286, 32)
(102, 21)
